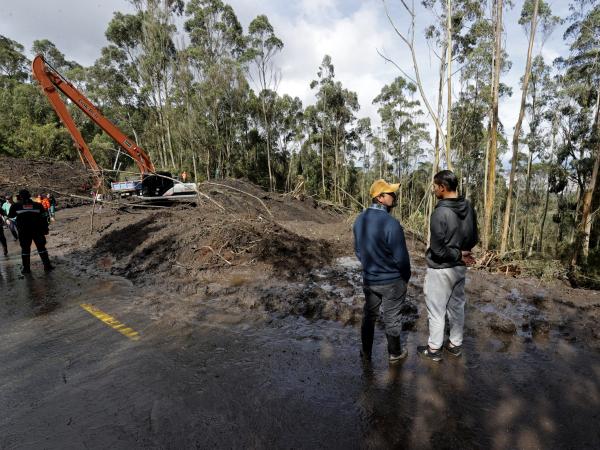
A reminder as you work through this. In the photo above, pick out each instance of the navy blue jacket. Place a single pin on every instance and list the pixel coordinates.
(380, 246)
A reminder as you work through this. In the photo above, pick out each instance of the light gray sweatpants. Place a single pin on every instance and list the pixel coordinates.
(445, 294)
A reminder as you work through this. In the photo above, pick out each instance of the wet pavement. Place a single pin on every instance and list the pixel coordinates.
(206, 374)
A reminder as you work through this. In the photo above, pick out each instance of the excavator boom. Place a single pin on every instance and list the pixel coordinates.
(52, 83)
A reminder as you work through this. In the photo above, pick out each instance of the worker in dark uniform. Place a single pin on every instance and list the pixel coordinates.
(32, 226)
(2, 219)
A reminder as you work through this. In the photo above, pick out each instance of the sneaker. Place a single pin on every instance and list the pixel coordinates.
(455, 350)
(396, 358)
(426, 352)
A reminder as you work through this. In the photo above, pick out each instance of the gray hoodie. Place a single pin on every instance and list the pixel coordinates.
(453, 229)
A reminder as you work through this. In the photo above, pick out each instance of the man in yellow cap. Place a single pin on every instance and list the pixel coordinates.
(380, 246)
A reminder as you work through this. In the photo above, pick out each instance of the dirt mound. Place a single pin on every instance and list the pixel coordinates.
(243, 197)
(59, 177)
(167, 243)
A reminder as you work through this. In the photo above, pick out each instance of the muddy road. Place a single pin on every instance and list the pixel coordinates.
(138, 340)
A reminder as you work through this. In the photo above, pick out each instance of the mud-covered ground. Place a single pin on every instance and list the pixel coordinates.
(247, 307)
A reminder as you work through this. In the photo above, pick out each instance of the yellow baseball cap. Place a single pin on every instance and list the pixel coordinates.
(380, 187)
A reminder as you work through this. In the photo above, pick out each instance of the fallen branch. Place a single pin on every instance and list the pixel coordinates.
(243, 192)
(211, 199)
(215, 253)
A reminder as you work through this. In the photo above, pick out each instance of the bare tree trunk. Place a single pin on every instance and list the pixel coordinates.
(170, 141)
(409, 41)
(517, 131)
(436, 165)
(582, 247)
(514, 229)
(449, 82)
(335, 168)
(195, 171)
(491, 181)
(542, 225)
(543, 222)
(323, 163)
(268, 130)
(527, 201)
(487, 163)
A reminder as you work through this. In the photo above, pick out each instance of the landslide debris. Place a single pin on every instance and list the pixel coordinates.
(61, 178)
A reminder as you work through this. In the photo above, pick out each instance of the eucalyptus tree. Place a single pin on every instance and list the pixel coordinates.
(263, 45)
(13, 72)
(583, 75)
(335, 109)
(490, 183)
(53, 55)
(287, 126)
(533, 11)
(450, 34)
(147, 39)
(14, 65)
(215, 53)
(541, 92)
(364, 131)
(402, 129)
(319, 117)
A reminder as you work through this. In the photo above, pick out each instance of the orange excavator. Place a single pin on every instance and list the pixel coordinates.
(152, 184)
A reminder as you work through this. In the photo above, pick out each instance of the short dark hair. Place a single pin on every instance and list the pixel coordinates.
(447, 179)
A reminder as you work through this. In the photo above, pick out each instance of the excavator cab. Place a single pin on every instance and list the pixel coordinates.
(156, 184)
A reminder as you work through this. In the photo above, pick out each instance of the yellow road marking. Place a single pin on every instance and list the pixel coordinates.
(111, 322)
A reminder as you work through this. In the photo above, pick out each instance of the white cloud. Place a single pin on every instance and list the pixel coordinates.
(350, 31)
(75, 27)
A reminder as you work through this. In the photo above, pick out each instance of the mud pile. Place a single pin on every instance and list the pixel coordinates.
(236, 235)
(40, 176)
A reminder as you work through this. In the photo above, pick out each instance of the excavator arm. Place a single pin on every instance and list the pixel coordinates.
(52, 83)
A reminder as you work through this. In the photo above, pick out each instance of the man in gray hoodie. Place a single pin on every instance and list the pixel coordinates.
(453, 230)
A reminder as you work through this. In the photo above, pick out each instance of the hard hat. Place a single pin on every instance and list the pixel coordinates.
(381, 186)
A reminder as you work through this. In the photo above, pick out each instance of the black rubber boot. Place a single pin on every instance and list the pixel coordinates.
(5, 250)
(46, 260)
(367, 333)
(395, 348)
(26, 266)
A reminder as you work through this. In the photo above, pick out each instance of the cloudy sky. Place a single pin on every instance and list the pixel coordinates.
(351, 31)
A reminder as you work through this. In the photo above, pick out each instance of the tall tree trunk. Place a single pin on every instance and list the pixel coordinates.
(517, 131)
(268, 130)
(514, 228)
(582, 246)
(436, 165)
(552, 145)
(543, 221)
(323, 163)
(335, 168)
(491, 181)
(170, 141)
(525, 230)
(449, 82)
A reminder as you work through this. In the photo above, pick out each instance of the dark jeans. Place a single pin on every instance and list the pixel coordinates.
(2, 238)
(25, 240)
(389, 296)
